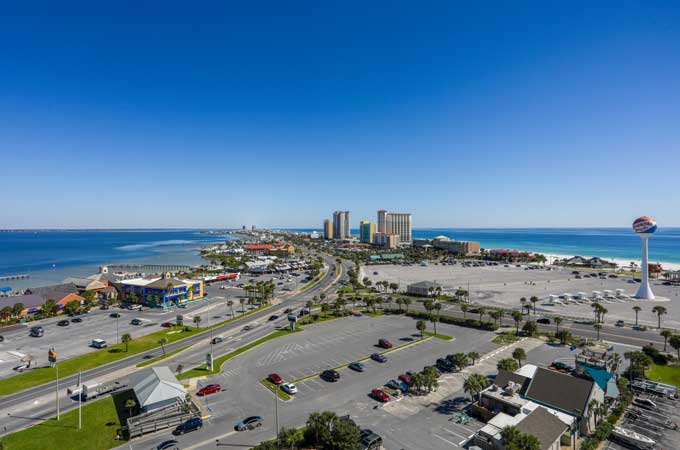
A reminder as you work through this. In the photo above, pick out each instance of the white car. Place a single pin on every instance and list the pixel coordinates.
(289, 388)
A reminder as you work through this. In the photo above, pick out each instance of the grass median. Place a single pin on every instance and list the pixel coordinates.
(283, 395)
(664, 374)
(202, 371)
(148, 362)
(100, 425)
(104, 356)
(443, 337)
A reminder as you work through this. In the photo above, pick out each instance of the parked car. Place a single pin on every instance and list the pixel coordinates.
(76, 320)
(249, 423)
(619, 323)
(167, 324)
(357, 366)
(330, 375)
(380, 395)
(136, 322)
(393, 384)
(275, 378)
(544, 320)
(190, 425)
(63, 323)
(209, 389)
(384, 343)
(406, 379)
(379, 358)
(98, 343)
(168, 445)
(289, 388)
(444, 365)
(114, 315)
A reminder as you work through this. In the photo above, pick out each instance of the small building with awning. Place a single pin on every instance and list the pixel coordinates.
(156, 387)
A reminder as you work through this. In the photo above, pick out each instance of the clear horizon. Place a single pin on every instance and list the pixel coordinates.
(530, 115)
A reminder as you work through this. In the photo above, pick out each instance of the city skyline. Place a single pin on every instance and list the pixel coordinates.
(531, 116)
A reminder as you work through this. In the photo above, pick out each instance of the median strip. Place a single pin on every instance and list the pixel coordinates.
(283, 395)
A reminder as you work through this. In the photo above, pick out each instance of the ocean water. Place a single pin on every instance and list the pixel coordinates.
(619, 243)
(50, 256)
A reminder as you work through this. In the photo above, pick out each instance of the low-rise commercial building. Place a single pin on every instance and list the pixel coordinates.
(424, 288)
(162, 291)
(156, 387)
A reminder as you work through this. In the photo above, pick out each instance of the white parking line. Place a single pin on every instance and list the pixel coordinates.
(445, 440)
(454, 433)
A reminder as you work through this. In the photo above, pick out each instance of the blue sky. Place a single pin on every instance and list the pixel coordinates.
(507, 114)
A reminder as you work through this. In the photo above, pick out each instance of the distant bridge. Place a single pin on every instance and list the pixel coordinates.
(150, 268)
(14, 278)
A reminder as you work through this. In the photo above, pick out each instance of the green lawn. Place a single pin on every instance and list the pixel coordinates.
(282, 394)
(162, 357)
(664, 374)
(201, 370)
(98, 358)
(444, 337)
(100, 423)
(505, 338)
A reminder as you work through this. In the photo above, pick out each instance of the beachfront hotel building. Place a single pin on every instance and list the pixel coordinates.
(395, 223)
(387, 240)
(341, 225)
(161, 292)
(327, 230)
(366, 232)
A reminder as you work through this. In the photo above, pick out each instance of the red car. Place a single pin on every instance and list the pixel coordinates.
(209, 389)
(167, 324)
(384, 343)
(406, 378)
(380, 395)
(275, 378)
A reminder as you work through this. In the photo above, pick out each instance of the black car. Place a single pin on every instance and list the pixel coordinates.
(76, 320)
(63, 323)
(190, 425)
(544, 320)
(136, 321)
(273, 317)
(444, 365)
(330, 375)
(114, 315)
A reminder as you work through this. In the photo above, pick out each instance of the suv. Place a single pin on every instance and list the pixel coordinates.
(98, 343)
(444, 365)
(190, 425)
(370, 440)
(37, 331)
(330, 375)
(384, 343)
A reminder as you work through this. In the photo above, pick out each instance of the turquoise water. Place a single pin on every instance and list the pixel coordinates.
(617, 243)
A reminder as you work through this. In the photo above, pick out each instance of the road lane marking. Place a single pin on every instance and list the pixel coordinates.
(445, 440)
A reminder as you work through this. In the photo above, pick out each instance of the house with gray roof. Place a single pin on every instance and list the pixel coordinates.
(423, 288)
(156, 387)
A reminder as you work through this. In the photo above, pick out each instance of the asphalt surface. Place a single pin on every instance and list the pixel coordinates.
(25, 408)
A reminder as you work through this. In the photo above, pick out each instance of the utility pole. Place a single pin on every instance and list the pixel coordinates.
(276, 408)
(80, 401)
(56, 392)
(117, 339)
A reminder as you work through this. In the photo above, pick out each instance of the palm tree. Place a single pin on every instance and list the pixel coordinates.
(637, 309)
(495, 315)
(659, 311)
(6, 313)
(533, 300)
(179, 368)
(230, 304)
(474, 356)
(130, 405)
(399, 303)
(421, 325)
(464, 309)
(18, 308)
(475, 384)
(482, 311)
(519, 354)
(242, 301)
(507, 364)
(523, 302)
(197, 321)
(407, 301)
(558, 321)
(675, 343)
(125, 339)
(517, 317)
(598, 327)
(162, 341)
(594, 409)
(666, 334)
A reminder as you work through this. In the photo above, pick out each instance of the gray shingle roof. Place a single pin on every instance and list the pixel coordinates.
(155, 384)
(560, 391)
(545, 426)
(504, 377)
(425, 285)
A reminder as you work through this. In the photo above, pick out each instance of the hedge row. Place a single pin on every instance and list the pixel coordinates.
(451, 320)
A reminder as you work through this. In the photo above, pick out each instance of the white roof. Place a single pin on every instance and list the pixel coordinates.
(155, 384)
(527, 370)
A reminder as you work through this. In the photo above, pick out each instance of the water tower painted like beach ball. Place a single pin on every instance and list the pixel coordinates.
(644, 227)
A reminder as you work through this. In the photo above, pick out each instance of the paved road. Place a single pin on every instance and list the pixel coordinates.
(25, 411)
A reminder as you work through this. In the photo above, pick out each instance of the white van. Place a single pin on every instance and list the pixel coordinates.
(98, 343)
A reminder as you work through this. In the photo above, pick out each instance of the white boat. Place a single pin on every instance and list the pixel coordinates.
(630, 437)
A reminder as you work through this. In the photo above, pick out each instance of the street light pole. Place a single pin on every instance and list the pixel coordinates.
(276, 408)
(56, 392)
(117, 338)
